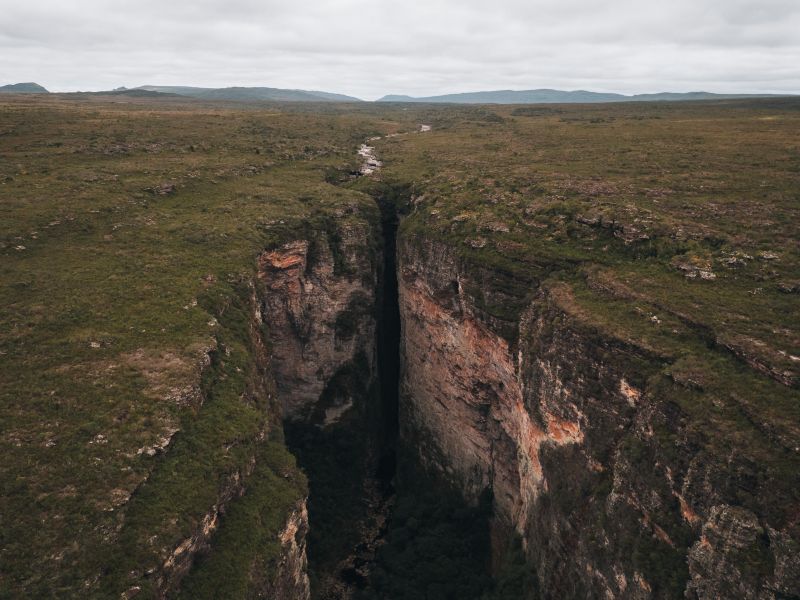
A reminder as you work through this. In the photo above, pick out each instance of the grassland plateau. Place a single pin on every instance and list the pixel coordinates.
(633, 268)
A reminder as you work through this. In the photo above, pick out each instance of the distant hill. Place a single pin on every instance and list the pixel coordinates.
(23, 88)
(133, 93)
(540, 96)
(250, 93)
(180, 90)
(545, 96)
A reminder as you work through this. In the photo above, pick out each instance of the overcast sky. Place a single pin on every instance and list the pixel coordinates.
(368, 48)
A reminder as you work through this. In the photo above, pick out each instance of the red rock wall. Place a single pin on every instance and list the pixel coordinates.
(304, 296)
(604, 478)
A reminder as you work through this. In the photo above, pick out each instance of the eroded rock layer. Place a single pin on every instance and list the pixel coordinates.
(320, 312)
(319, 308)
(589, 456)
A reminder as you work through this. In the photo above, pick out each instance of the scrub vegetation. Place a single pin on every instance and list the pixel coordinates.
(128, 243)
(132, 388)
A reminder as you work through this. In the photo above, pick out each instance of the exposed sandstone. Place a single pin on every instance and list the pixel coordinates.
(319, 309)
(319, 319)
(291, 582)
(602, 475)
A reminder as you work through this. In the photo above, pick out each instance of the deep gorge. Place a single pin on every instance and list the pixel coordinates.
(460, 450)
(380, 525)
(352, 464)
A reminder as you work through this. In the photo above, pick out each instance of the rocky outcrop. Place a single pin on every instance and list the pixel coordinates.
(589, 456)
(319, 308)
(180, 559)
(291, 579)
(207, 555)
(310, 318)
(721, 561)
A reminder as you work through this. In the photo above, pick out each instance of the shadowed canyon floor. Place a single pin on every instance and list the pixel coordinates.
(517, 352)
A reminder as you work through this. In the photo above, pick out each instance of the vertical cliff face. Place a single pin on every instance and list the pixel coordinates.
(465, 407)
(590, 459)
(589, 450)
(319, 308)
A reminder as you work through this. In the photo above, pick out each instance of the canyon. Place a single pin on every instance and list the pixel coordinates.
(589, 462)
(470, 358)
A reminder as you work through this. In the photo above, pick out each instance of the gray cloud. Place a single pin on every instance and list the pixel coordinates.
(420, 48)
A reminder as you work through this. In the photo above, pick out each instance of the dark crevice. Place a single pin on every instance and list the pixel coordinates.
(381, 526)
(351, 464)
(389, 342)
(433, 544)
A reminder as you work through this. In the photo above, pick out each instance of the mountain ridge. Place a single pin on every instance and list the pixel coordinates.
(507, 96)
(28, 87)
(250, 93)
(546, 95)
